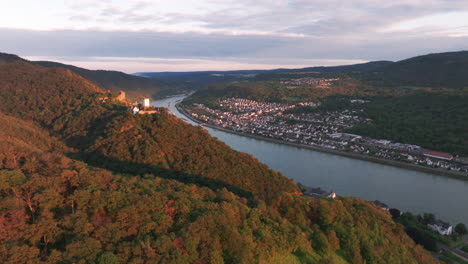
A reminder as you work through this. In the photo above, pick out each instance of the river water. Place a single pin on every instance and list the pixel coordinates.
(407, 190)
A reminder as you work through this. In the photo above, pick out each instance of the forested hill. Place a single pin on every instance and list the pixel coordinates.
(7, 58)
(134, 86)
(84, 181)
(446, 70)
(115, 81)
(88, 120)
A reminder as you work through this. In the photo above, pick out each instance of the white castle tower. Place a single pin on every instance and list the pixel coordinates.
(146, 102)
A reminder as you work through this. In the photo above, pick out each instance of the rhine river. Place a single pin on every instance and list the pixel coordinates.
(407, 190)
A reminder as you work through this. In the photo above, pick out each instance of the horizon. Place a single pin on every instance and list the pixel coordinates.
(110, 64)
(157, 36)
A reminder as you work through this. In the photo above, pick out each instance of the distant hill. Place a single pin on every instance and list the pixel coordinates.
(203, 78)
(368, 66)
(6, 58)
(41, 94)
(448, 69)
(134, 86)
(199, 79)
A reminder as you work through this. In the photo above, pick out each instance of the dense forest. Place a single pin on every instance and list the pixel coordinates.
(84, 181)
(433, 120)
(135, 86)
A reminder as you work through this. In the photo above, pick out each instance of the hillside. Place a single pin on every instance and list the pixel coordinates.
(152, 189)
(19, 133)
(134, 86)
(168, 145)
(433, 120)
(64, 211)
(445, 70)
(57, 99)
(367, 66)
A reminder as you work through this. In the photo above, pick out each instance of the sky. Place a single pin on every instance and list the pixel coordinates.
(190, 35)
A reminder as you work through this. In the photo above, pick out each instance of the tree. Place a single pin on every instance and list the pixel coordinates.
(11, 180)
(320, 242)
(428, 218)
(460, 228)
(108, 258)
(395, 213)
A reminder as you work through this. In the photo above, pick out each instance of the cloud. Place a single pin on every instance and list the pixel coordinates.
(88, 43)
(293, 18)
(288, 32)
(434, 24)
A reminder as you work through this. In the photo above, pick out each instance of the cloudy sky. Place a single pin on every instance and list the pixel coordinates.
(182, 35)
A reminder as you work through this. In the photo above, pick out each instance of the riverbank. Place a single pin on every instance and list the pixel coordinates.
(435, 171)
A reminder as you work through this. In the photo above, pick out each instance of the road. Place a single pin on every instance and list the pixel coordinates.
(456, 250)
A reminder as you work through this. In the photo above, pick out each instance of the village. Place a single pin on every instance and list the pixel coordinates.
(324, 82)
(318, 129)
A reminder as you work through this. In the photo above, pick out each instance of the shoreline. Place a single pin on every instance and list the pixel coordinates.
(394, 163)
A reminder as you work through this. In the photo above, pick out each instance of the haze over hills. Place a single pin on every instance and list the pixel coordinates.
(106, 186)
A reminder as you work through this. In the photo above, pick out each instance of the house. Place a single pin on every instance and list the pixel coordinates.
(383, 142)
(441, 227)
(381, 205)
(135, 110)
(438, 155)
(319, 193)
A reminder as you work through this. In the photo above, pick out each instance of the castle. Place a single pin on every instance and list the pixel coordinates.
(143, 107)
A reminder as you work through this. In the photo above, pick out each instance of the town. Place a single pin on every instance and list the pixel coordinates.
(319, 129)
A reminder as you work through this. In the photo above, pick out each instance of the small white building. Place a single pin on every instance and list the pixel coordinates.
(381, 205)
(319, 193)
(441, 227)
(135, 110)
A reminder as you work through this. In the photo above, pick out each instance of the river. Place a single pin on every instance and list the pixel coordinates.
(407, 190)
